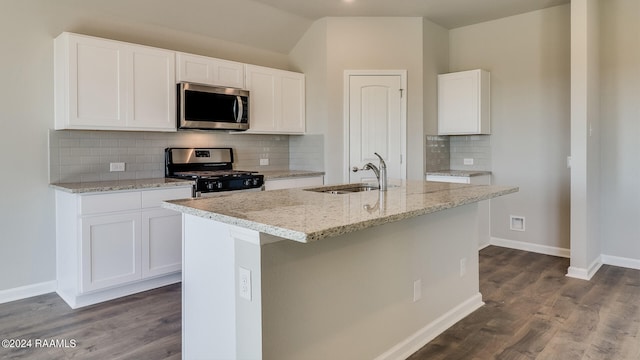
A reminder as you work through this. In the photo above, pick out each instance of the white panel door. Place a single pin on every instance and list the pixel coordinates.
(375, 125)
(154, 90)
(277, 100)
(161, 242)
(228, 73)
(293, 103)
(263, 105)
(97, 83)
(210, 71)
(110, 250)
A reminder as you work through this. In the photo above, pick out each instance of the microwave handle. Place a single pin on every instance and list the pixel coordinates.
(238, 109)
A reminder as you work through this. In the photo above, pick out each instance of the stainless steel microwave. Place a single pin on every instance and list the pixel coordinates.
(212, 108)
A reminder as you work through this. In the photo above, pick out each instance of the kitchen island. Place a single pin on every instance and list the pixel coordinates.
(304, 274)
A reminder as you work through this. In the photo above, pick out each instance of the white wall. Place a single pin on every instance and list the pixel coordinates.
(27, 29)
(620, 134)
(435, 60)
(529, 60)
(333, 45)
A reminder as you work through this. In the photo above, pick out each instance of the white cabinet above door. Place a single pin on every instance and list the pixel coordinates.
(104, 84)
(209, 71)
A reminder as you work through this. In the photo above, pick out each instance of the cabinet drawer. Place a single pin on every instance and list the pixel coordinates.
(103, 203)
(153, 198)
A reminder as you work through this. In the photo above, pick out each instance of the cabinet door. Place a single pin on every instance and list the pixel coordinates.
(103, 84)
(93, 94)
(292, 119)
(161, 242)
(277, 100)
(153, 101)
(210, 71)
(463, 103)
(110, 250)
(228, 73)
(261, 83)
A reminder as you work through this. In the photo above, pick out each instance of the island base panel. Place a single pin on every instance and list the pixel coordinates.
(351, 296)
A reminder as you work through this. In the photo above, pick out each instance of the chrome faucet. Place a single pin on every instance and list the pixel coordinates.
(380, 172)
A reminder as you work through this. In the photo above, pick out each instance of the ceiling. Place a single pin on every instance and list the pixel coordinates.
(277, 25)
(446, 13)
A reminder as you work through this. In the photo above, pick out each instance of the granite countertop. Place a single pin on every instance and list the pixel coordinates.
(306, 216)
(119, 185)
(281, 174)
(461, 173)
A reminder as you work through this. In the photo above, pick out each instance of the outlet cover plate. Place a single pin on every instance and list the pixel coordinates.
(116, 166)
(244, 279)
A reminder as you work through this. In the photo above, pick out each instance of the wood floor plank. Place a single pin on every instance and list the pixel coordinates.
(141, 326)
(532, 311)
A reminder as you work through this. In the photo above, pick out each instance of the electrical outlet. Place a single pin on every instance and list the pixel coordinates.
(117, 166)
(463, 266)
(468, 161)
(264, 162)
(244, 276)
(417, 290)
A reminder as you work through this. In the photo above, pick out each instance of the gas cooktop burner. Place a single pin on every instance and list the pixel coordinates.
(210, 168)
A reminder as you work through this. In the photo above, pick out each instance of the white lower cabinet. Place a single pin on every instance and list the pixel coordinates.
(110, 252)
(114, 244)
(161, 253)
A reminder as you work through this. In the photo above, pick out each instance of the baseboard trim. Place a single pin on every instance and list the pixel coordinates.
(28, 291)
(536, 248)
(621, 262)
(77, 301)
(420, 338)
(585, 274)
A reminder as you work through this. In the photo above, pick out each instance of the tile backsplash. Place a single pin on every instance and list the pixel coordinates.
(306, 152)
(476, 147)
(449, 152)
(82, 156)
(438, 153)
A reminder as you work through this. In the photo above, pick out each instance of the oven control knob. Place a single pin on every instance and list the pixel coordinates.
(255, 182)
(210, 185)
(219, 184)
(247, 182)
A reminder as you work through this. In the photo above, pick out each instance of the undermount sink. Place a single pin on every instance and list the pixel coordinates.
(344, 189)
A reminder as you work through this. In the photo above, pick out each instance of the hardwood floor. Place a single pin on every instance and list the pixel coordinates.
(141, 326)
(532, 311)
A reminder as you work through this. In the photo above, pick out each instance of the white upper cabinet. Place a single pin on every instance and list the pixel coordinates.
(110, 85)
(209, 71)
(277, 100)
(464, 103)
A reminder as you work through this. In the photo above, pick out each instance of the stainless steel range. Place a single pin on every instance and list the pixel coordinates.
(211, 169)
